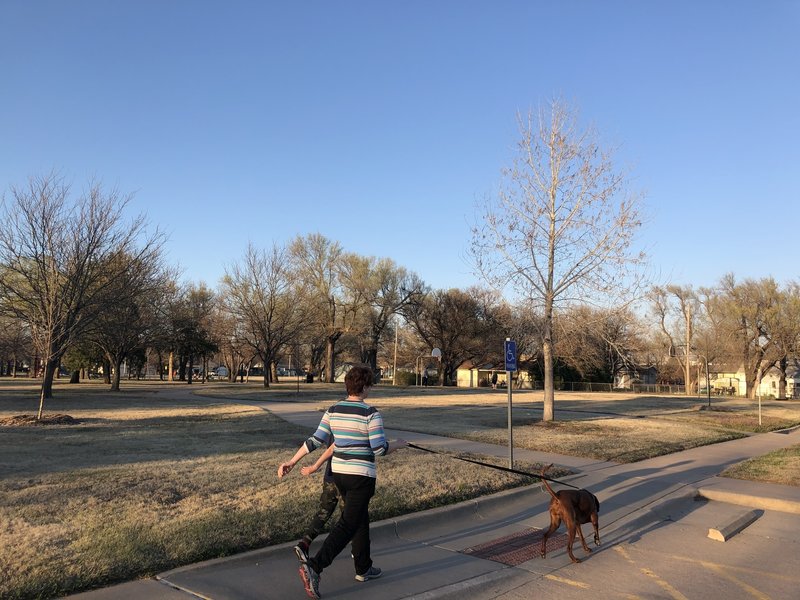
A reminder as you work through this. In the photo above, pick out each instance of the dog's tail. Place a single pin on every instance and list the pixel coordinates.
(547, 485)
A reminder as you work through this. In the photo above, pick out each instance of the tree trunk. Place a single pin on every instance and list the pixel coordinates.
(115, 374)
(330, 346)
(783, 364)
(171, 366)
(75, 376)
(107, 371)
(371, 358)
(181, 367)
(267, 366)
(47, 384)
(273, 371)
(548, 408)
(548, 405)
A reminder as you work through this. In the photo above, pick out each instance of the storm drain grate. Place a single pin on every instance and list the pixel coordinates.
(517, 548)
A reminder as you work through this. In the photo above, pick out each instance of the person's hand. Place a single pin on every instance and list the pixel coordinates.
(284, 469)
(309, 470)
(398, 443)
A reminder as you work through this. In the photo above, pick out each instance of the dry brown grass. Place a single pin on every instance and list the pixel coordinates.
(604, 427)
(781, 466)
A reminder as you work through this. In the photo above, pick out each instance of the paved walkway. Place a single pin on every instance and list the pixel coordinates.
(655, 519)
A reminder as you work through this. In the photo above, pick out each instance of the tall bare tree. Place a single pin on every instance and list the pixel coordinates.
(786, 332)
(191, 333)
(748, 310)
(125, 325)
(230, 333)
(385, 289)
(561, 228)
(265, 298)
(60, 258)
(329, 304)
(677, 309)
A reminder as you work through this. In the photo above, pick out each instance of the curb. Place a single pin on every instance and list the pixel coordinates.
(722, 533)
(760, 501)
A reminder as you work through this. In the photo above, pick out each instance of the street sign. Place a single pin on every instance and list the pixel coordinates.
(510, 351)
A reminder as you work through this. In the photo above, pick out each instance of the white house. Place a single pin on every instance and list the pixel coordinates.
(729, 382)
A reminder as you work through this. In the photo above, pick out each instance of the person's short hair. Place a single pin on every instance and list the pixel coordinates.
(357, 378)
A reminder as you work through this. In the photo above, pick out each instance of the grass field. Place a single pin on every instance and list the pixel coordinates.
(161, 475)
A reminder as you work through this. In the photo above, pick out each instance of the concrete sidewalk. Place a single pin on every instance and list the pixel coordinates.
(488, 548)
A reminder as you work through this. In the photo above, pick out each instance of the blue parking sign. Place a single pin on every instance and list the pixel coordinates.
(510, 352)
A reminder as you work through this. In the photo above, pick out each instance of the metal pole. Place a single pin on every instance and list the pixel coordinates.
(759, 409)
(708, 385)
(510, 432)
(394, 368)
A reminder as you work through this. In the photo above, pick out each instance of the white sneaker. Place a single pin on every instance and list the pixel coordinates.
(373, 573)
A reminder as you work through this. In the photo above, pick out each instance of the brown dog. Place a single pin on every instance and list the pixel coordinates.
(574, 507)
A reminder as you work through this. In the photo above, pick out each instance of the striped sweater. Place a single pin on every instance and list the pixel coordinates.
(357, 430)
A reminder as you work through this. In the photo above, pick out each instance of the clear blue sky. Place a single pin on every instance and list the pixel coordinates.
(382, 124)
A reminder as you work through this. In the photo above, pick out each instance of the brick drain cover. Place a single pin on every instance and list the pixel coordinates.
(517, 548)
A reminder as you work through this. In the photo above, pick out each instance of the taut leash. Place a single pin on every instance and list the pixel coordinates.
(491, 466)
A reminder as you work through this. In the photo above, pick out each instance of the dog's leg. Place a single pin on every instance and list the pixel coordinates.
(596, 530)
(571, 540)
(555, 521)
(583, 541)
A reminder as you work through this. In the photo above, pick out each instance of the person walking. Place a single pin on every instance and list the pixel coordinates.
(357, 429)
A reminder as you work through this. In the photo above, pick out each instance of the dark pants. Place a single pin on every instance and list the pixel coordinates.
(327, 504)
(353, 524)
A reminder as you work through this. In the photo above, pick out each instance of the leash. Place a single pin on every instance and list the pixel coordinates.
(491, 466)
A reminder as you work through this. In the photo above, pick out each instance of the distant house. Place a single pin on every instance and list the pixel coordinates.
(770, 383)
(341, 370)
(627, 378)
(471, 375)
(730, 380)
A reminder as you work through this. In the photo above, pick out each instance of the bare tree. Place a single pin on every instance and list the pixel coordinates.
(599, 343)
(229, 332)
(786, 332)
(15, 344)
(677, 309)
(329, 304)
(748, 310)
(59, 259)
(561, 228)
(464, 325)
(385, 289)
(191, 335)
(264, 297)
(125, 325)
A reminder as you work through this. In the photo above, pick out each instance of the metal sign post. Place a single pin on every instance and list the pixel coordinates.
(510, 353)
